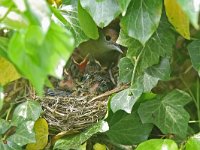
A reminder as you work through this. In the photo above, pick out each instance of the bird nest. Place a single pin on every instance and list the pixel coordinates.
(82, 102)
(72, 114)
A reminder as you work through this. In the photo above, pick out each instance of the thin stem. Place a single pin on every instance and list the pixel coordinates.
(135, 66)
(8, 113)
(194, 121)
(7, 12)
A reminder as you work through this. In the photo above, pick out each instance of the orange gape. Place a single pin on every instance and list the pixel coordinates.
(82, 65)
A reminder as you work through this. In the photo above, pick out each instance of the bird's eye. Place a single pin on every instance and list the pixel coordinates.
(108, 38)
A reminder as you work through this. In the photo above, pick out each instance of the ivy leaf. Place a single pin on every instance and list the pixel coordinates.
(4, 47)
(151, 76)
(24, 134)
(27, 50)
(68, 15)
(87, 23)
(158, 144)
(142, 19)
(4, 126)
(127, 129)
(127, 41)
(125, 99)
(13, 20)
(149, 82)
(29, 110)
(161, 70)
(160, 44)
(103, 12)
(191, 8)
(194, 51)
(177, 18)
(41, 135)
(193, 143)
(155, 73)
(9, 72)
(167, 113)
(6, 3)
(123, 5)
(75, 141)
(9, 146)
(38, 11)
(125, 70)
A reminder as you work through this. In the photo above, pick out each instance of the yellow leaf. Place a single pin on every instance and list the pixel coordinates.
(57, 2)
(98, 146)
(177, 18)
(8, 72)
(41, 135)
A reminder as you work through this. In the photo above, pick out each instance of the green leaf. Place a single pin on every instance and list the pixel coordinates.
(75, 141)
(13, 20)
(155, 73)
(125, 99)
(68, 15)
(158, 144)
(142, 19)
(193, 143)
(123, 5)
(103, 12)
(191, 8)
(29, 110)
(127, 129)
(125, 70)
(24, 134)
(3, 47)
(149, 82)
(167, 113)
(9, 146)
(194, 51)
(161, 70)
(160, 44)
(26, 60)
(27, 50)
(6, 2)
(87, 23)
(4, 126)
(39, 11)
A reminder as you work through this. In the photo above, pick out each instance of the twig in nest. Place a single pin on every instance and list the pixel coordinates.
(111, 76)
(108, 93)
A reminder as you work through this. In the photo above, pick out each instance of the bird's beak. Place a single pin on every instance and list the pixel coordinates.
(117, 48)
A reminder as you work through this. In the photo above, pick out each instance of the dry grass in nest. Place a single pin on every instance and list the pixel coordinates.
(72, 114)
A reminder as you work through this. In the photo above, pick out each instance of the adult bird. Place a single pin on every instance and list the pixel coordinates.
(104, 49)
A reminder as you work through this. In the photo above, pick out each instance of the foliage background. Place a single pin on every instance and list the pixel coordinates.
(161, 106)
